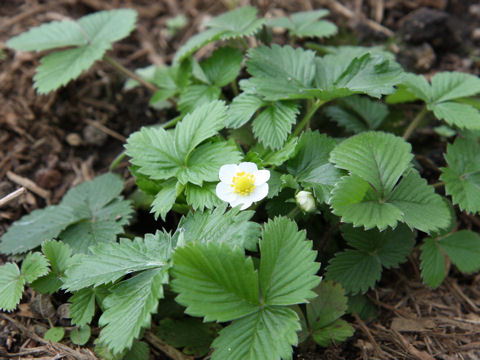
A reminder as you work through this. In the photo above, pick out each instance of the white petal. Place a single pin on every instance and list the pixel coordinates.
(259, 193)
(225, 192)
(243, 200)
(227, 172)
(246, 205)
(248, 167)
(261, 177)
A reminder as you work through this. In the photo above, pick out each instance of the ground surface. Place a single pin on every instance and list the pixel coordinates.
(51, 143)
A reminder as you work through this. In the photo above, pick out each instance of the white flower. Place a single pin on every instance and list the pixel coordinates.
(242, 184)
(305, 201)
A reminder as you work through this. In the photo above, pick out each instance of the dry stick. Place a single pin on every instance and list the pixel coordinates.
(12, 196)
(29, 184)
(167, 349)
(367, 332)
(56, 346)
(106, 130)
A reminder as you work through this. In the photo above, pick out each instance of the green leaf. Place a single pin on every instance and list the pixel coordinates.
(165, 199)
(200, 197)
(221, 276)
(267, 157)
(34, 266)
(223, 66)
(11, 286)
(454, 85)
(54, 334)
(129, 308)
(462, 177)
(33, 229)
(80, 336)
(334, 333)
(463, 248)
(274, 123)
(194, 96)
(82, 308)
(109, 262)
(328, 306)
(307, 24)
(378, 158)
(242, 109)
(268, 333)
(138, 351)
(433, 263)
(196, 42)
(287, 266)
(461, 115)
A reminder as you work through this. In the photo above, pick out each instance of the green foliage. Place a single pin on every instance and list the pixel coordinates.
(230, 289)
(461, 247)
(358, 269)
(82, 308)
(80, 336)
(55, 334)
(372, 194)
(306, 24)
(91, 36)
(89, 214)
(462, 176)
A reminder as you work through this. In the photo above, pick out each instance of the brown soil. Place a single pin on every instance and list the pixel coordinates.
(53, 142)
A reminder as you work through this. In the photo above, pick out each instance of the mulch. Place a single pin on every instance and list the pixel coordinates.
(50, 143)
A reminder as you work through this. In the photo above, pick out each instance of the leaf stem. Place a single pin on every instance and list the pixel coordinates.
(171, 123)
(414, 124)
(122, 69)
(438, 184)
(235, 87)
(306, 119)
(117, 160)
(294, 212)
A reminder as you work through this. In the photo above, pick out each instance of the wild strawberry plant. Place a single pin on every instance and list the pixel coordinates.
(255, 127)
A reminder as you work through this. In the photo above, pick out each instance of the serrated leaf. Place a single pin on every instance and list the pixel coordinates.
(306, 24)
(287, 266)
(194, 96)
(11, 286)
(138, 351)
(463, 248)
(129, 308)
(362, 306)
(54, 334)
(201, 197)
(34, 266)
(462, 177)
(80, 336)
(196, 42)
(221, 276)
(266, 334)
(334, 333)
(232, 227)
(328, 306)
(165, 199)
(223, 66)
(378, 158)
(109, 262)
(82, 306)
(242, 108)
(433, 263)
(268, 157)
(454, 85)
(272, 126)
(461, 115)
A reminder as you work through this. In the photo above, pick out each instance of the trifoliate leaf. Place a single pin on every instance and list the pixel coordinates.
(11, 286)
(272, 126)
(200, 197)
(306, 24)
(165, 198)
(194, 96)
(328, 306)
(461, 115)
(221, 276)
(98, 31)
(58, 255)
(54, 334)
(232, 227)
(233, 24)
(80, 336)
(333, 334)
(462, 176)
(82, 306)
(378, 158)
(242, 109)
(109, 262)
(34, 266)
(268, 333)
(463, 248)
(287, 266)
(358, 113)
(223, 66)
(433, 263)
(129, 308)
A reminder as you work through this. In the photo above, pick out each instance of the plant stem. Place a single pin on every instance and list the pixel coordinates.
(296, 210)
(438, 184)
(306, 119)
(117, 160)
(235, 87)
(122, 69)
(413, 125)
(171, 123)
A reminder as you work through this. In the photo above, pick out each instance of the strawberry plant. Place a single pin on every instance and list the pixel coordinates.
(254, 163)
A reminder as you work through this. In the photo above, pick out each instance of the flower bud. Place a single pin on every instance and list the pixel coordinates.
(305, 201)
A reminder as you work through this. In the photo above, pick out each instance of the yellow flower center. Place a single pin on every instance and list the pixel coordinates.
(243, 183)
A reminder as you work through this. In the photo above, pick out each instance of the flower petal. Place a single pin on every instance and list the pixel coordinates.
(241, 200)
(227, 172)
(225, 192)
(248, 167)
(261, 177)
(259, 193)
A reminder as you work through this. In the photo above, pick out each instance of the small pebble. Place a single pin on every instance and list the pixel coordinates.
(73, 139)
